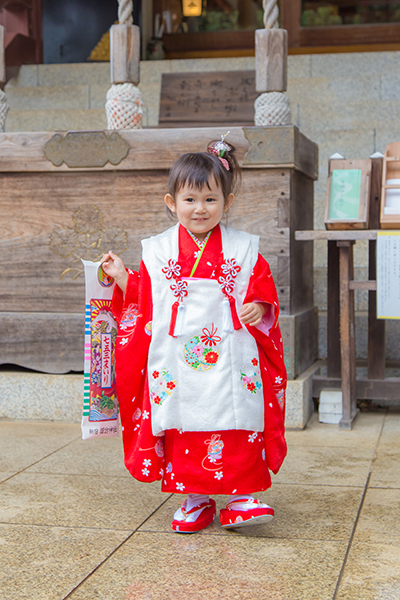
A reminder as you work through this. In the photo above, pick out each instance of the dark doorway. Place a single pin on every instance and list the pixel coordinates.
(72, 28)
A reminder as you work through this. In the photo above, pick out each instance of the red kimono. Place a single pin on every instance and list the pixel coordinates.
(229, 460)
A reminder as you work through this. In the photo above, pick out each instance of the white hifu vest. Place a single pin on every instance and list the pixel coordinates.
(207, 378)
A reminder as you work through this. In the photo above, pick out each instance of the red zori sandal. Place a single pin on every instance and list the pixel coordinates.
(197, 518)
(244, 512)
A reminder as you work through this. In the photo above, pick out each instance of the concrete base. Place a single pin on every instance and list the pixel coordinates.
(299, 402)
(300, 340)
(43, 397)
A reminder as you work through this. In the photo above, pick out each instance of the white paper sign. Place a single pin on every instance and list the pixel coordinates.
(388, 274)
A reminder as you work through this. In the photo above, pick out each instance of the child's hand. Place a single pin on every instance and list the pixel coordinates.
(252, 313)
(115, 268)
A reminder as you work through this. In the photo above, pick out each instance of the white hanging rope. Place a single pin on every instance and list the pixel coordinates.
(124, 107)
(4, 108)
(125, 9)
(272, 108)
(271, 14)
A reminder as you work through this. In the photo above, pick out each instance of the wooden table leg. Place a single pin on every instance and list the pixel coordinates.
(347, 336)
(333, 325)
(376, 327)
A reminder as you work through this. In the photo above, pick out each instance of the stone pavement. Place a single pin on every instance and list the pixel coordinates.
(74, 524)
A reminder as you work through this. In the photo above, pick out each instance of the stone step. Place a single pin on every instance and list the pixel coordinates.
(56, 120)
(67, 97)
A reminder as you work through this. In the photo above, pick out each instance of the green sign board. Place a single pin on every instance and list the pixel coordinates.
(344, 198)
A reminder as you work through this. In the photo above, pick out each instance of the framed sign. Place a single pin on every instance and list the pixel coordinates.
(388, 275)
(347, 197)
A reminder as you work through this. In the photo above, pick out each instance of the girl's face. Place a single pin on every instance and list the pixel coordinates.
(199, 210)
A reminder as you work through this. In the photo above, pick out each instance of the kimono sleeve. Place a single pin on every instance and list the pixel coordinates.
(269, 341)
(131, 295)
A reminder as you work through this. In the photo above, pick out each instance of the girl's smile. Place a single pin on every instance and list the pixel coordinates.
(199, 209)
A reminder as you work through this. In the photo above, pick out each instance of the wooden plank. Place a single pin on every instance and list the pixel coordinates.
(375, 33)
(333, 325)
(366, 389)
(149, 149)
(219, 97)
(301, 254)
(58, 228)
(125, 54)
(271, 60)
(347, 335)
(376, 327)
(22, 152)
(335, 235)
(2, 57)
(51, 342)
(363, 285)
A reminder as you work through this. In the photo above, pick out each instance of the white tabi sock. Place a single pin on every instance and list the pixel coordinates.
(191, 501)
(242, 498)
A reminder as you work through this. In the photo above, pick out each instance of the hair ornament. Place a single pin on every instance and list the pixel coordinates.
(219, 149)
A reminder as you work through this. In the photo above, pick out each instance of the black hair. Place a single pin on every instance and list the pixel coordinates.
(196, 168)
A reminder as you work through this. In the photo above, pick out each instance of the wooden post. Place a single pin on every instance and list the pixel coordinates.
(271, 60)
(2, 58)
(333, 312)
(376, 327)
(347, 336)
(125, 54)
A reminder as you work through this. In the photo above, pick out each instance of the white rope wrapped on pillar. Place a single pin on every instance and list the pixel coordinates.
(124, 105)
(125, 9)
(4, 108)
(271, 14)
(272, 107)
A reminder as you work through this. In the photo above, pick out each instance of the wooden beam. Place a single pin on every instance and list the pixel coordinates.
(363, 285)
(333, 325)
(271, 60)
(365, 234)
(376, 327)
(347, 335)
(125, 54)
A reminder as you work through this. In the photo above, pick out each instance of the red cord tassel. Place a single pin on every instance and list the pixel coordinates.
(235, 319)
(174, 314)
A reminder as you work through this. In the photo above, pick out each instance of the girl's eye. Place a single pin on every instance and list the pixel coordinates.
(189, 200)
(210, 200)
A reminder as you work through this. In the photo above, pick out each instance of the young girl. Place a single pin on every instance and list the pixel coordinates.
(199, 358)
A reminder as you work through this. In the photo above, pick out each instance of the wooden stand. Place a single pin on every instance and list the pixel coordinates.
(341, 335)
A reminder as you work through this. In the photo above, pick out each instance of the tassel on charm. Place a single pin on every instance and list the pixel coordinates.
(227, 324)
(180, 321)
(235, 319)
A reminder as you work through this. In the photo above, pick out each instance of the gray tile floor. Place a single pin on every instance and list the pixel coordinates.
(74, 524)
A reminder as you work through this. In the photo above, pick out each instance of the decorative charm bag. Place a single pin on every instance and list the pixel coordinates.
(100, 403)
